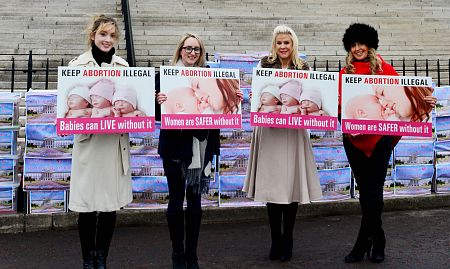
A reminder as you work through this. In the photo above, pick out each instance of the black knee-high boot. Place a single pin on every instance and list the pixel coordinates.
(363, 242)
(176, 231)
(289, 216)
(274, 212)
(193, 222)
(87, 225)
(377, 232)
(105, 229)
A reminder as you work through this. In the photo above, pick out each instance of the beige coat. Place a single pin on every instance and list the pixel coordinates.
(281, 168)
(101, 176)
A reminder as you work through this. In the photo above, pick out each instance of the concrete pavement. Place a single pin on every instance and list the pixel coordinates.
(416, 239)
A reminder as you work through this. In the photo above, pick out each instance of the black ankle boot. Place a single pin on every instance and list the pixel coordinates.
(176, 231)
(178, 261)
(89, 261)
(286, 253)
(193, 223)
(379, 243)
(362, 246)
(101, 259)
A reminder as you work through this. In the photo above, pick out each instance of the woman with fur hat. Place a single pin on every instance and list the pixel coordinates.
(100, 183)
(282, 170)
(368, 155)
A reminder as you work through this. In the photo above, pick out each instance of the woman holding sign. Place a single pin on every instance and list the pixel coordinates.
(187, 157)
(101, 179)
(282, 170)
(369, 155)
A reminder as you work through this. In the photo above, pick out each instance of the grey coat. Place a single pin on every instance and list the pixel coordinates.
(101, 174)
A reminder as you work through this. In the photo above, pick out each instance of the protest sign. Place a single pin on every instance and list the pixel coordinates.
(106, 100)
(294, 99)
(200, 98)
(386, 105)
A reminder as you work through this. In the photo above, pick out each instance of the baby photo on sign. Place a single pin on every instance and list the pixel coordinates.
(102, 98)
(290, 97)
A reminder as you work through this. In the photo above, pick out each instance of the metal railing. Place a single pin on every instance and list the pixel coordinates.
(128, 33)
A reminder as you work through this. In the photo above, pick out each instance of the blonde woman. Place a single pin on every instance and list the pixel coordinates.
(282, 170)
(101, 180)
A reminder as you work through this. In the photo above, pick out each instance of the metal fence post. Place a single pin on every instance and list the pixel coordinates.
(30, 70)
(13, 70)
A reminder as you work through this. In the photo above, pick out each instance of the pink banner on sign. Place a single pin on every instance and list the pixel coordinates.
(201, 121)
(401, 128)
(108, 125)
(293, 121)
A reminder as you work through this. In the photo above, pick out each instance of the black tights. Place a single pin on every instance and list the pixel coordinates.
(370, 173)
(95, 231)
(178, 189)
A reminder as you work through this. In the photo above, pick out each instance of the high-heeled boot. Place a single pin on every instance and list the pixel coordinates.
(176, 231)
(274, 213)
(289, 216)
(378, 236)
(362, 246)
(363, 242)
(193, 222)
(105, 228)
(86, 229)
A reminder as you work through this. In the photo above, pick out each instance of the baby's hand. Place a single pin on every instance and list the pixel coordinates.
(161, 98)
(303, 111)
(116, 112)
(387, 112)
(284, 110)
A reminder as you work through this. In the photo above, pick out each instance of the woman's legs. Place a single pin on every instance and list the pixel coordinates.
(105, 229)
(87, 227)
(193, 221)
(274, 211)
(289, 216)
(370, 173)
(175, 215)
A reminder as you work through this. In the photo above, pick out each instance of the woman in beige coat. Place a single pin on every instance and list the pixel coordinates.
(101, 178)
(282, 170)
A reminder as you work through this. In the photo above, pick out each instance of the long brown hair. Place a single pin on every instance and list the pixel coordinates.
(416, 95)
(228, 89)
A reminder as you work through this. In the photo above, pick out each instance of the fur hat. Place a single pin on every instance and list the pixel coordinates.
(361, 33)
(312, 94)
(272, 89)
(103, 88)
(82, 91)
(125, 94)
(292, 88)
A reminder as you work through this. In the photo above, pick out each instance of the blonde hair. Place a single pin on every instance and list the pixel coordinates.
(284, 29)
(98, 23)
(177, 54)
(374, 60)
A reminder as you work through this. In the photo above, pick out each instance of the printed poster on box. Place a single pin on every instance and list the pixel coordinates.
(106, 100)
(386, 105)
(200, 98)
(294, 99)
